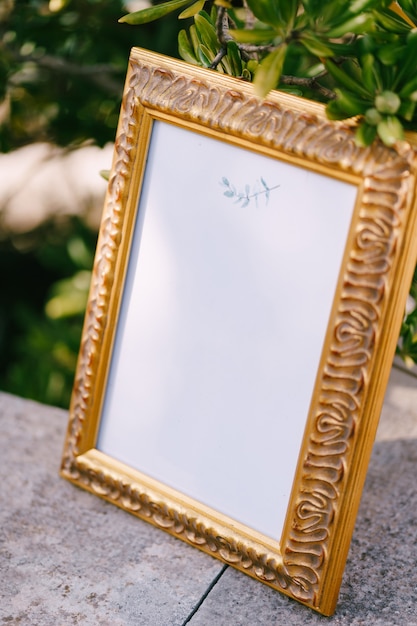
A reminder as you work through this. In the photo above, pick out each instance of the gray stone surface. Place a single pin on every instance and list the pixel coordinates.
(67, 557)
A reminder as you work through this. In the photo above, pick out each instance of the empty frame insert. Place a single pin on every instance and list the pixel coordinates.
(250, 279)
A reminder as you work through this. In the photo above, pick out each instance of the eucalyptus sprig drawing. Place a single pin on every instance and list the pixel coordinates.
(259, 190)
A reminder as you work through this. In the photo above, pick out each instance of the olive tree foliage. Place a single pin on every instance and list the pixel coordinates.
(62, 68)
(359, 58)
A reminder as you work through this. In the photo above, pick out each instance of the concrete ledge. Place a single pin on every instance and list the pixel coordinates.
(67, 557)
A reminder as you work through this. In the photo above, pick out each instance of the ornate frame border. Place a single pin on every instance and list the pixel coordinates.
(380, 257)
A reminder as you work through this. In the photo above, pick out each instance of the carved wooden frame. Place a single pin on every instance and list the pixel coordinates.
(307, 564)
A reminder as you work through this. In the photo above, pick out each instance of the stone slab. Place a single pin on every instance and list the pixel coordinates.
(67, 557)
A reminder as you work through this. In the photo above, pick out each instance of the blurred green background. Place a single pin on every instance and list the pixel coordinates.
(62, 69)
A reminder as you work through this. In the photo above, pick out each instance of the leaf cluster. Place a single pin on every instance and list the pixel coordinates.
(359, 57)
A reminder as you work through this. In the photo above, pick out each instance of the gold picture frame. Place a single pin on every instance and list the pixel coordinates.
(211, 368)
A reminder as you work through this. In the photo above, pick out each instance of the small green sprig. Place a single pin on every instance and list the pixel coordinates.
(259, 190)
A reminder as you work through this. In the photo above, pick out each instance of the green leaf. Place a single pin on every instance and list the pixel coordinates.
(373, 117)
(357, 25)
(234, 58)
(365, 134)
(315, 46)
(340, 49)
(367, 45)
(185, 48)
(387, 102)
(288, 11)
(392, 53)
(370, 77)
(409, 88)
(334, 112)
(409, 5)
(407, 110)
(206, 32)
(255, 36)
(206, 55)
(194, 38)
(361, 5)
(344, 80)
(409, 62)
(390, 21)
(195, 8)
(390, 130)
(313, 7)
(267, 11)
(291, 90)
(352, 68)
(350, 103)
(396, 8)
(144, 16)
(269, 71)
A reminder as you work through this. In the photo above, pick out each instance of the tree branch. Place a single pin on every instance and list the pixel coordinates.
(308, 83)
(222, 26)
